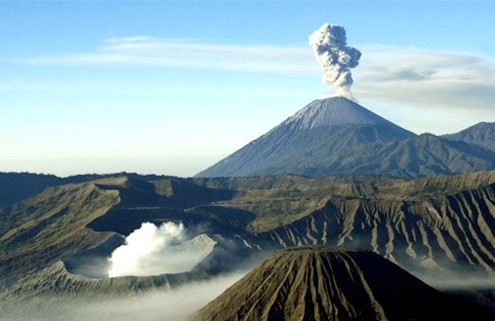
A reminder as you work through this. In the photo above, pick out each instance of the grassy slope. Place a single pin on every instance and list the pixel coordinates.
(51, 225)
(286, 210)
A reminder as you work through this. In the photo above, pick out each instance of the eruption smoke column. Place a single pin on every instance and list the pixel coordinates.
(329, 44)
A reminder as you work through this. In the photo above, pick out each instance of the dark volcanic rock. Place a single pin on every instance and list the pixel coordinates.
(313, 284)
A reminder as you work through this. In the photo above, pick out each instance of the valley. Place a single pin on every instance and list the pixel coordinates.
(434, 225)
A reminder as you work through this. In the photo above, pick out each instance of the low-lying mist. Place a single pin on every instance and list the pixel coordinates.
(172, 305)
(457, 276)
(441, 281)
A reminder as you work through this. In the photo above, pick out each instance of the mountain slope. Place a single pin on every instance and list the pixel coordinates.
(436, 223)
(482, 135)
(447, 232)
(419, 156)
(15, 187)
(51, 225)
(328, 125)
(72, 229)
(316, 284)
(338, 112)
(444, 223)
(336, 136)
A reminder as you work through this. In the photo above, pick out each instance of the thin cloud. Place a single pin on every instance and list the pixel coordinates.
(426, 78)
(383, 62)
(149, 51)
(397, 75)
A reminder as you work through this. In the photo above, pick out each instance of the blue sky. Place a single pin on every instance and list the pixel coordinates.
(171, 87)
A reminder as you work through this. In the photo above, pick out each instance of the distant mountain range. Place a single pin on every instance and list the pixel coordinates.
(482, 135)
(336, 136)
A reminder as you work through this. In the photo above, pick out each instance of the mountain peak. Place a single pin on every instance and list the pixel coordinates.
(333, 112)
(481, 135)
(312, 142)
(316, 284)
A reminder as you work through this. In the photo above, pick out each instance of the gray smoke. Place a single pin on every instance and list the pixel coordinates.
(329, 45)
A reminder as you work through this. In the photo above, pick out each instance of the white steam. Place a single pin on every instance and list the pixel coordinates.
(329, 45)
(152, 250)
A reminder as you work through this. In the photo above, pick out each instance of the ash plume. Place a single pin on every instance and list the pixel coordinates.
(329, 45)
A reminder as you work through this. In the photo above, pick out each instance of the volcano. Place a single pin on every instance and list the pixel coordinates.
(306, 141)
(313, 284)
(337, 136)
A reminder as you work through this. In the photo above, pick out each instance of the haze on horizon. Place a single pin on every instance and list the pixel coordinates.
(171, 88)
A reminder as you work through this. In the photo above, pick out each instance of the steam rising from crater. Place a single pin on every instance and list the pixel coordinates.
(152, 250)
(329, 45)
